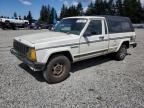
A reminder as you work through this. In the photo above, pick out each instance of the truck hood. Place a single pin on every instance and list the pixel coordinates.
(44, 37)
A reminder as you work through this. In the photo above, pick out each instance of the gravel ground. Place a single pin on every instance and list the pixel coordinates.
(96, 83)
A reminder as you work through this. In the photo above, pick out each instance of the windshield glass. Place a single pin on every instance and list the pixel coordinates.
(73, 26)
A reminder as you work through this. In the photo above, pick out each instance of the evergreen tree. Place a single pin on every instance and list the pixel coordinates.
(111, 8)
(142, 14)
(53, 16)
(105, 6)
(15, 15)
(119, 7)
(29, 17)
(91, 9)
(98, 7)
(19, 17)
(47, 15)
(72, 11)
(140, 11)
(129, 8)
(133, 9)
(63, 12)
(44, 14)
(25, 18)
(79, 9)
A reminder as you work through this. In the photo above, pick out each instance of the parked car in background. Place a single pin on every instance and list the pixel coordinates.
(13, 23)
(74, 39)
(138, 25)
(40, 25)
(34, 25)
(0, 25)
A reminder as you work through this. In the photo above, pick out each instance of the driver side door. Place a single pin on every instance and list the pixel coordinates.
(94, 41)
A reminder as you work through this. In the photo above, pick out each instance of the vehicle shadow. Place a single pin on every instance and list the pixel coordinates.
(37, 75)
(91, 62)
(75, 67)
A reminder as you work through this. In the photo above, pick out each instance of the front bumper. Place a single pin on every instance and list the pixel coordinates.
(35, 65)
(133, 44)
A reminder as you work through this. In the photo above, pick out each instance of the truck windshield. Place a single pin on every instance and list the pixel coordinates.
(72, 26)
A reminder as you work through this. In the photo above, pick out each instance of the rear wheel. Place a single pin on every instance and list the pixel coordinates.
(25, 25)
(7, 24)
(57, 69)
(121, 54)
(3, 26)
(13, 26)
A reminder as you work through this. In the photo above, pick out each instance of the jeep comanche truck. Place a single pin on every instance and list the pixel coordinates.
(74, 39)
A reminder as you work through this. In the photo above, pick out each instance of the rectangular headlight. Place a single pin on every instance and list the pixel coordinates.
(32, 54)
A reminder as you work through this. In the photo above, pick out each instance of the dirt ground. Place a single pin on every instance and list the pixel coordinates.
(95, 83)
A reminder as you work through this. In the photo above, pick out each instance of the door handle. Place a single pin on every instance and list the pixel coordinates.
(101, 37)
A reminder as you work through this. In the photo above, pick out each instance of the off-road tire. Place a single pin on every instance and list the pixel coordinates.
(121, 54)
(13, 26)
(50, 74)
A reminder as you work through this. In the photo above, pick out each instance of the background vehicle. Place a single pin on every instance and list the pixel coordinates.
(138, 25)
(13, 23)
(40, 25)
(75, 39)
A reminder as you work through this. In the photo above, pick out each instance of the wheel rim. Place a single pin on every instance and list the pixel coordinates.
(58, 69)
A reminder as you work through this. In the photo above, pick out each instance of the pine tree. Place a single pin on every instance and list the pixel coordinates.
(98, 7)
(90, 10)
(29, 17)
(53, 16)
(80, 9)
(63, 11)
(48, 14)
(15, 15)
(133, 9)
(105, 6)
(25, 18)
(140, 11)
(72, 11)
(119, 6)
(142, 14)
(111, 7)
(45, 14)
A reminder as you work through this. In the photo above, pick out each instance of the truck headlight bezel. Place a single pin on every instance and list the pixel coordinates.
(32, 54)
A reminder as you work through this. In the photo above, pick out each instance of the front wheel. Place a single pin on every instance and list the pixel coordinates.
(121, 54)
(25, 25)
(57, 69)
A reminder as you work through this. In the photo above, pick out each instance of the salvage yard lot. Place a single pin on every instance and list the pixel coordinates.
(96, 83)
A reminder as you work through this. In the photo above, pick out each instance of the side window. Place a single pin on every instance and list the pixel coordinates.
(94, 28)
(120, 26)
(116, 27)
(126, 26)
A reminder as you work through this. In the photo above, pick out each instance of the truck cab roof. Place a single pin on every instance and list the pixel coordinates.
(116, 24)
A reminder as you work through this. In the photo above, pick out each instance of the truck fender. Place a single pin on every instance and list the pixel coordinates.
(121, 42)
(49, 52)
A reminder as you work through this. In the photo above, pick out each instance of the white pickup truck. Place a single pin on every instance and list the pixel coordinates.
(74, 39)
(13, 23)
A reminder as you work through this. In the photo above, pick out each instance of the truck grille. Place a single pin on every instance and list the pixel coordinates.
(21, 48)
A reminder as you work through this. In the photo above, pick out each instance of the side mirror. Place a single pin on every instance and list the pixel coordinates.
(87, 34)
